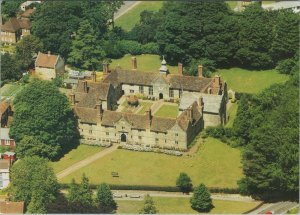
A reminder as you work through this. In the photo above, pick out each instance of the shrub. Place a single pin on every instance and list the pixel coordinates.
(130, 47)
(201, 200)
(286, 66)
(150, 48)
(184, 183)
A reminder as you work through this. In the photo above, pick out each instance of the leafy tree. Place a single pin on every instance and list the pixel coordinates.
(80, 197)
(34, 182)
(10, 8)
(41, 111)
(30, 146)
(9, 68)
(149, 207)
(104, 199)
(86, 53)
(270, 158)
(4, 149)
(209, 66)
(113, 6)
(201, 200)
(26, 49)
(184, 183)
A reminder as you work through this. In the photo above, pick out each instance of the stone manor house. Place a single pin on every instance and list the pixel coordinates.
(94, 104)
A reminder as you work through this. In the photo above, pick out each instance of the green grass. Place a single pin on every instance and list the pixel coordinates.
(145, 106)
(10, 89)
(246, 81)
(132, 17)
(167, 111)
(294, 211)
(232, 114)
(232, 4)
(215, 164)
(145, 63)
(182, 206)
(74, 156)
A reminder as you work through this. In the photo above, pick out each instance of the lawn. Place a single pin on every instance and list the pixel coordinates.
(10, 89)
(132, 17)
(232, 4)
(215, 164)
(145, 106)
(182, 206)
(167, 111)
(246, 81)
(145, 63)
(74, 156)
(232, 111)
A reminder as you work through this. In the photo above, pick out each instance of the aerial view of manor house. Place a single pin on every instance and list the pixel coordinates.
(149, 107)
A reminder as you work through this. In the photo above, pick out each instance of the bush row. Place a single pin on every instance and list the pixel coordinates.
(159, 188)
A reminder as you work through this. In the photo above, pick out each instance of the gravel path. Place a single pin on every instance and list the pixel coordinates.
(86, 162)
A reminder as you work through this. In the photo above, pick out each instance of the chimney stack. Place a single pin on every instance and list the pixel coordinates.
(149, 115)
(49, 53)
(94, 76)
(200, 71)
(99, 109)
(201, 104)
(189, 113)
(134, 63)
(85, 89)
(72, 98)
(180, 69)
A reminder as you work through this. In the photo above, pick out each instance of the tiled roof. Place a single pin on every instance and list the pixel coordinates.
(14, 24)
(27, 13)
(87, 115)
(11, 207)
(161, 124)
(46, 60)
(191, 83)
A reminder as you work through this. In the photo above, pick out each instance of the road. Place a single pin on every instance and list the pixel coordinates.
(128, 5)
(86, 162)
(277, 208)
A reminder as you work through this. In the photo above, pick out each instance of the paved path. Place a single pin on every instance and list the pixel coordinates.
(277, 208)
(86, 162)
(127, 6)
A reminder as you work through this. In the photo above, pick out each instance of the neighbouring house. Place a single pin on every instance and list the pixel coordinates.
(26, 4)
(5, 113)
(99, 123)
(27, 13)
(11, 156)
(4, 173)
(8, 207)
(5, 140)
(14, 29)
(49, 66)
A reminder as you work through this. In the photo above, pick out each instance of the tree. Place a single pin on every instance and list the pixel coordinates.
(41, 111)
(9, 68)
(80, 197)
(149, 207)
(201, 200)
(104, 199)
(26, 49)
(270, 158)
(34, 182)
(184, 183)
(86, 52)
(209, 66)
(10, 8)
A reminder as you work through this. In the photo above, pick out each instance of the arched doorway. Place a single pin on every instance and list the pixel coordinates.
(123, 137)
(161, 96)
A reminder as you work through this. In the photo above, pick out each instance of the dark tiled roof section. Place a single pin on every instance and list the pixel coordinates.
(96, 92)
(160, 124)
(110, 117)
(87, 115)
(11, 207)
(119, 76)
(190, 83)
(46, 60)
(24, 24)
(183, 120)
(12, 25)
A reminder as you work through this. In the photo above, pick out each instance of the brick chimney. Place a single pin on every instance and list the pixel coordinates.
(216, 85)
(189, 113)
(72, 98)
(94, 76)
(200, 104)
(99, 109)
(49, 53)
(134, 63)
(180, 69)
(85, 88)
(149, 115)
(200, 71)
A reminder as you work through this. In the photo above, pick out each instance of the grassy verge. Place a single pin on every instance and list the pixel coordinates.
(167, 111)
(145, 63)
(74, 156)
(182, 206)
(232, 114)
(145, 106)
(132, 17)
(10, 89)
(208, 166)
(246, 81)
(294, 211)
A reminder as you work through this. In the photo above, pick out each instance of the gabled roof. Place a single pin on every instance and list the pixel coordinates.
(3, 107)
(46, 60)
(14, 24)
(27, 13)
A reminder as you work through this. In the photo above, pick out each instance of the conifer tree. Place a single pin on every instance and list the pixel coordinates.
(104, 199)
(149, 207)
(201, 200)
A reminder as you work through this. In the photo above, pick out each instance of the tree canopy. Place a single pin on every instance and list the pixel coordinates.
(184, 183)
(43, 113)
(104, 199)
(34, 182)
(10, 69)
(149, 206)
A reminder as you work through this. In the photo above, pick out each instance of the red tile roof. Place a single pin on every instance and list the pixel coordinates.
(46, 60)
(14, 24)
